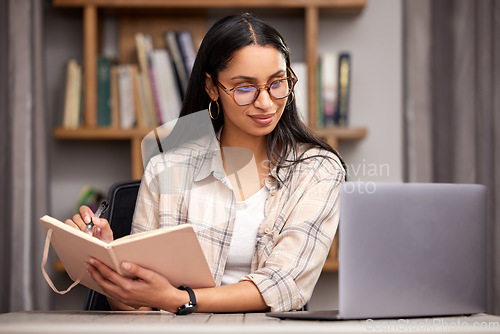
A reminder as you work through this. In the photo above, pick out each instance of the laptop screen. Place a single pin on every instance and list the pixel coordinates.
(411, 250)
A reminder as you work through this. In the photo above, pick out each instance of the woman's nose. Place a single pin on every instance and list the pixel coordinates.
(263, 100)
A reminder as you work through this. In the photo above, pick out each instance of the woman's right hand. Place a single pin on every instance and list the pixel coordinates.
(101, 229)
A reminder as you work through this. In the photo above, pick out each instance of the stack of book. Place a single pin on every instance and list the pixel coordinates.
(333, 89)
(144, 95)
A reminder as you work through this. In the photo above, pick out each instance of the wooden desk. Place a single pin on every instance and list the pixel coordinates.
(162, 322)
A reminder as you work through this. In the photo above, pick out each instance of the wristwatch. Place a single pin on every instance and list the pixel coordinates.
(189, 307)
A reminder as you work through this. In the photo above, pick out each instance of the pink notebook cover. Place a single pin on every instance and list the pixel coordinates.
(172, 252)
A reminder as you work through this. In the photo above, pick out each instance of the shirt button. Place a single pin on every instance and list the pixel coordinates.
(273, 192)
(267, 230)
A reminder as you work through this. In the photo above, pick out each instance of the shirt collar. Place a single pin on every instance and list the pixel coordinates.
(212, 163)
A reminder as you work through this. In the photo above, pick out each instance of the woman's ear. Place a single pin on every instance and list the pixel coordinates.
(210, 88)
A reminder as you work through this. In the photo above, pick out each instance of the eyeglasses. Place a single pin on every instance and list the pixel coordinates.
(246, 94)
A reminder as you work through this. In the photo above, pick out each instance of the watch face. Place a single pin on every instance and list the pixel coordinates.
(187, 309)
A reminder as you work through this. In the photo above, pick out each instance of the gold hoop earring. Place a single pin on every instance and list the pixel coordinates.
(210, 109)
(293, 97)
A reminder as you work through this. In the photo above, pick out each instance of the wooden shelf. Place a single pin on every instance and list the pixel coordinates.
(334, 135)
(104, 133)
(134, 135)
(331, 265)
(344, 6)
(342, 133)
(100, 133)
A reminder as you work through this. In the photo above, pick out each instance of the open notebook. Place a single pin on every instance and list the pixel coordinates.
(172, 252)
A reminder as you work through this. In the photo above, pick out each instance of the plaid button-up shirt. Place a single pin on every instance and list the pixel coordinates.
(189, 185)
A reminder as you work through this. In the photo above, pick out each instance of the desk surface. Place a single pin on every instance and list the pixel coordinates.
(163, 322)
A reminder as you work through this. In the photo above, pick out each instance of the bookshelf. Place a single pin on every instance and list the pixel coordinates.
(144, 16)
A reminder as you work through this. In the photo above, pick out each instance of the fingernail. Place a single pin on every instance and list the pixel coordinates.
(87, 219)
(91, 261)
(126, 265)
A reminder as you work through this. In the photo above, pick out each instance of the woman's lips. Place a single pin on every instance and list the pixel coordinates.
(262, 119)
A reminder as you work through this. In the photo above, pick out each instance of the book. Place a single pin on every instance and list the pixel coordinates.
(67, 95)
(144, 73)
(115, 104)
(342, 115)
(140, 113)
(175, 53)
(141, 100)
(126, 96)
(173, 252)
(329, 86)
(147, 41)
(301, 100)
(319, 98)
(188, 52)
(153, 81)
(104, 91)
(169, 96)
(72, 100)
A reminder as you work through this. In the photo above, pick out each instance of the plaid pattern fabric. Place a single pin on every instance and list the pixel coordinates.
(189, 185)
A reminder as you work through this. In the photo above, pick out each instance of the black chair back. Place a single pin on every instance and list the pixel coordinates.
(122, 198)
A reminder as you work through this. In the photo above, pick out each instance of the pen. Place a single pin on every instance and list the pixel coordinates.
(102, 207)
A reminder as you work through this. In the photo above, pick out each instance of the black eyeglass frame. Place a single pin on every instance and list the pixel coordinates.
(230, 92)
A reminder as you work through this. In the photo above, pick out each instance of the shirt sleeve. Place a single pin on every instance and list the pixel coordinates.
(146, 214)
(287, 278)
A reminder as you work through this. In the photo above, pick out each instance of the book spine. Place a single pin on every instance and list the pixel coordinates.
(77, 106)
(115, 104)
(171, 89)
(68, 94)
(142, 99)
(165, 75)
(139, 113)
(319, 92)
(103, 91)
(127, 113)
(114, 259)
(140, 42)
(71, 118)
(180, 70)
(186, 47)
(344, 89)
(329, 87)
(155, 90)
(301, 98)
(153, 80)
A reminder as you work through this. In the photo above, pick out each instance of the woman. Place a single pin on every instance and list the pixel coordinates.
(265, 245)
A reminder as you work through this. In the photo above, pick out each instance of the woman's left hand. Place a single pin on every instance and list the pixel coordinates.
(148, 288)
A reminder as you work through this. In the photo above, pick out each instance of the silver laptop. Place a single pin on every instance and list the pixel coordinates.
(409, 250)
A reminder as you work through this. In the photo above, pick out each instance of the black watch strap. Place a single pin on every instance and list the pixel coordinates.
(189, 307)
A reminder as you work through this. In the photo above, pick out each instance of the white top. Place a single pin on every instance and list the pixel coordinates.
(249, 216)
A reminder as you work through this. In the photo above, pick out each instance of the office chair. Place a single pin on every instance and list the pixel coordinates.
(121, 197)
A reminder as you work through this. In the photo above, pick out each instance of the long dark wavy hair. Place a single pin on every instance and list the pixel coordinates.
(224, 38)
